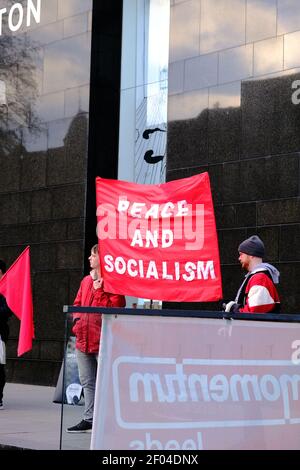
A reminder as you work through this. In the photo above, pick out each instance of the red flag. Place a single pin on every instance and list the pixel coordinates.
(159, 241)
(15, 286)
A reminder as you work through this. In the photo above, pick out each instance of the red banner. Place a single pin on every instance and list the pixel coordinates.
(159, 241)
(15, 286)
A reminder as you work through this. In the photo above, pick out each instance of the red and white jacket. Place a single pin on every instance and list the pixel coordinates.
(87, 327)
(258, 293)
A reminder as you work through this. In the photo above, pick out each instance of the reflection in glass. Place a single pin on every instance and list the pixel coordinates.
(176, 76)
(19, 90)
(47, 34)
(151, 105)
(268, 56)
(291, 50)
(201, 72)
(225, 96)
(184, 30)
(187, 105)
(261, 19)
(288, 16)
(236, 64)
(144, 106)
(222, 24)
(68, 8)
(67, 63)
(224, 122)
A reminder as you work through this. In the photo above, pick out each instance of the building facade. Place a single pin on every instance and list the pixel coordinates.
(146, 91)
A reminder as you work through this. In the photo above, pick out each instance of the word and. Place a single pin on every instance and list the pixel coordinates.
(15, 15)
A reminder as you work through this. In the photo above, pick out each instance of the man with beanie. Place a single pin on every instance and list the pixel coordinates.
(257, 293)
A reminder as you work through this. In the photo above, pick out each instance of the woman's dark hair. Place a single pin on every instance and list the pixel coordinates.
(2, 266)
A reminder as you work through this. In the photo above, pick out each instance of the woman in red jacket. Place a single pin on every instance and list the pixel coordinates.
(87, 329)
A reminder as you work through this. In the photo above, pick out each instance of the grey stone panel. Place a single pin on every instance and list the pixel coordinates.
(225, 215)
(68, 201)
(246, 214)
(224, 134)
(52, 350)
(75, 229)
(12, 345)
(53, 231)
(41, 205)
(50, 294)
(43, 256)
(290, 243)
(10, 172)
(14, 327)
(185, 172)
(231, 182)
(257, 105)
(14, 208)
(229, 241)
(235, 215)
(281, 176)
(41, 372)
(289, 286)
(216, 182)
(69, 255)
(188, 142)
(12, 235)
(33, 170)
(270, 120)
(68, 164)
(270, 178)
(254, 177)
(278, 212)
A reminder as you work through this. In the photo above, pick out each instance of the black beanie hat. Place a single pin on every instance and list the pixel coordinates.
(253, 246)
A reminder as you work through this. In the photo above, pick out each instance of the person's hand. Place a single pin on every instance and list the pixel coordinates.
(98, 283)
(231, 306)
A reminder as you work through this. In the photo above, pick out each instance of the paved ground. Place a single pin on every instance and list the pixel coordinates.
(30, 420)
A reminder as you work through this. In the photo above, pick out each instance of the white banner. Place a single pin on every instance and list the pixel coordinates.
(191, 384)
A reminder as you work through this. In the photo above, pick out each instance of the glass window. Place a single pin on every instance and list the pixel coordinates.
(288, 16)
(236, 64)
(222, 24)
(268, 56)
(185, 30)
(144, 91)
(201, 72)
(291, 50)
(187, 105)
(176, 76)
(261, 19)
